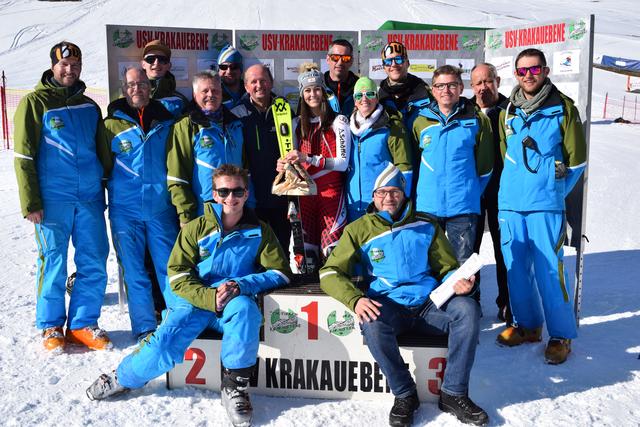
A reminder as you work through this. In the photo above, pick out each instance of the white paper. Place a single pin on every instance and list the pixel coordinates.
(442, 293)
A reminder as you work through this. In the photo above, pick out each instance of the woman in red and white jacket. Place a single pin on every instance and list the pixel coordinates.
(323, 142)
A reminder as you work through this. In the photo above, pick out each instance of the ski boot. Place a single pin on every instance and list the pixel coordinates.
(106, 385)
(234, 396)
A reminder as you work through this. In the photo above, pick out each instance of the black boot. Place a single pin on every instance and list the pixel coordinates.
(234, 396)
(401, 414)
(463, 408)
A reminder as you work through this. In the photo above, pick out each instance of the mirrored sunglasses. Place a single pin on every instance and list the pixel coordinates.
(345, 58)
(388, 62)
(535, 70)
(368, 94)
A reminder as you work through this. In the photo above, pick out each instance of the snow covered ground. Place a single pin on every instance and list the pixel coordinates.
(599, 385)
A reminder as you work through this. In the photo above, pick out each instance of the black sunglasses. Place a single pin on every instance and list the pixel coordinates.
(224, 192)
(232, 67)
(150, 59)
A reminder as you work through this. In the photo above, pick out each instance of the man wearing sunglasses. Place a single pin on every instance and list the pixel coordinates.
(401, 90)
(339, 79)
(209, 136)
(140, 209)
(59, 164)
(408, 256)
(156, 62)
(230, 71)
(219, 263)
(456, 159)
(543, 144)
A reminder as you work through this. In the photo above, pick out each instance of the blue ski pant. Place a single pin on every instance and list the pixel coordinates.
(130, 238)
(239, 323)
(533, 254)
(84, 224)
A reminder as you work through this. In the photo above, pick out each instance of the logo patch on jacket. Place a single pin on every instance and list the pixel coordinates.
(206, 141)
(56, 123)
(426, 140)
(203, 252)
(125, 146)
(376, 254)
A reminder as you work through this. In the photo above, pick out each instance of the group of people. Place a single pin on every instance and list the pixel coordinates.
(405, 173)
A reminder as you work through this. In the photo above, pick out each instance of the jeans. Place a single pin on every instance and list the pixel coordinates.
(459, 317)
(461, 232)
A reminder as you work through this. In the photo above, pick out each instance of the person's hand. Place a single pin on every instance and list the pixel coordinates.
(464, 286)
(225, 293)
(281, 163)
(35, 217)
(297, 156)
(367, 309)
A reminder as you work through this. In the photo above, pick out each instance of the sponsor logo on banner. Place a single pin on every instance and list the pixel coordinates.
(284, 322)
(465, 66)
(56, 123)
(566, 62)
(376, 254)
(470, 43)
(249, 41)
(342, 327)
(219, 40)
(577, 29)
(494, 41)
(122, 38)
(373, 43)
(125, 146)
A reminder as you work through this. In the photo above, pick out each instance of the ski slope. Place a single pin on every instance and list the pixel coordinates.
(599, 384)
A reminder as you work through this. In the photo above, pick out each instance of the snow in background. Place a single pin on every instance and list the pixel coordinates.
(599, 384)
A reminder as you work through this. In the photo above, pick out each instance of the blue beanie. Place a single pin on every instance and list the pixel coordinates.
(390, 177)
(229, 54)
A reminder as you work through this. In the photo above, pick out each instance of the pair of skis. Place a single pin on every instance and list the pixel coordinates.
(282, 118)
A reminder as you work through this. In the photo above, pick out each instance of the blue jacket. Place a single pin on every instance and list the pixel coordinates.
(198, 146)
(408, 258)
(138, 181)
(340, 95)
(559, 138)
(456, 159)
(384, 141)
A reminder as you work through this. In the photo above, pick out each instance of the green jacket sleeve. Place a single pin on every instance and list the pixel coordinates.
(502, 133)
(400, 145)
(574, 145)
(442, 259)
(28, 126)
(335, 276)
(484, 146)
(180, 170)
(182, 272)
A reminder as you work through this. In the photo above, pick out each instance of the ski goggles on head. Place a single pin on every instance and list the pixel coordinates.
(535, 70)
(150, 59)
(232, 67)
(388, 62)
(224, 192)
(368, 94)
(345, 58)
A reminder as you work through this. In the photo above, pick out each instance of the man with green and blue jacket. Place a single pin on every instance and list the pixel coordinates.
(545, 152)
(59, 164)
(200, 142)
(408, 256)
(220, 262)
(140, 206)
(455, 143)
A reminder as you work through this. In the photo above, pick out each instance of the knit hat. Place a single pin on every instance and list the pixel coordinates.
(365, 84)
(229, 54)
(390, 177)
(64, 50)
(156, 45)
(310, 75)
(393, 49)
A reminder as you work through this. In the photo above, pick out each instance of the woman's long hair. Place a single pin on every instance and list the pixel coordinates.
(327, 115)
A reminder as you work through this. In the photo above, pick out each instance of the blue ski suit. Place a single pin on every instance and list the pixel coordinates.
(531, 208)
(59, 162)
(202, 259)
(140, 207)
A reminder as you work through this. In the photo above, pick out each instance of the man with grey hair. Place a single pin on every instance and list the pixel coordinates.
(485, 83)
(140, 210)
(207, 137)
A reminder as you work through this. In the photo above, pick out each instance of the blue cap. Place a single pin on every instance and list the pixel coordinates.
(390, 177)
(229, 54)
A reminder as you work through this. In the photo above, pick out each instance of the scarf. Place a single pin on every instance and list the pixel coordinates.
(518, 99)
(360, 124)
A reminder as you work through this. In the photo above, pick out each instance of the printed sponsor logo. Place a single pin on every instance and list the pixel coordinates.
(249, 41)
(376, 254)
(494, 41)
(342, 327)
(284, 322)
(342, 138)
(577, 30)
(470, 43)
(373, 43)
(219, 40)
(125, 146)
(56, 123)
(206, 141)
(122, 38)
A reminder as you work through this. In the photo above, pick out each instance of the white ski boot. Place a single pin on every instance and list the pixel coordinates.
(235, 398)
(106, 385)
